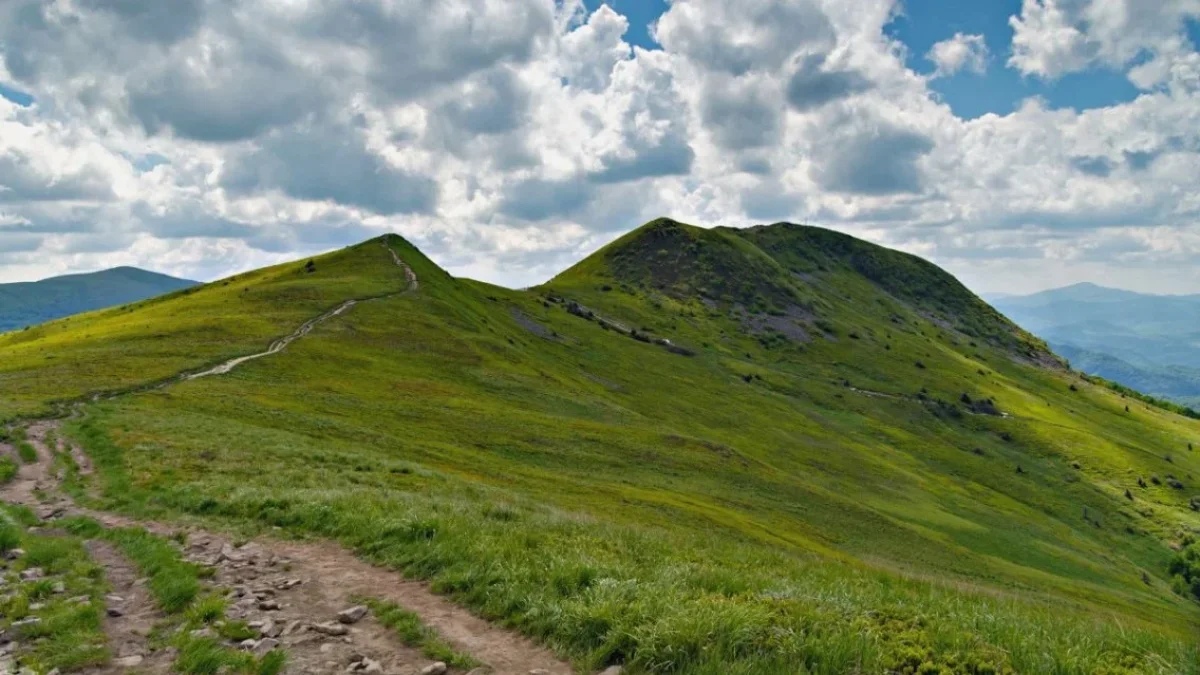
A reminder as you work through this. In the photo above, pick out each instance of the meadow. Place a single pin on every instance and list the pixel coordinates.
(811, 481)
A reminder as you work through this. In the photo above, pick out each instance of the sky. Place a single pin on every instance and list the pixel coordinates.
(1020, 144)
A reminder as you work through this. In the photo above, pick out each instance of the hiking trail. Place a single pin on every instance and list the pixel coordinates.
(290, 591)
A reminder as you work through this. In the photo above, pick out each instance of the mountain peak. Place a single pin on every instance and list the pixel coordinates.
(782, 266)
(685, 261)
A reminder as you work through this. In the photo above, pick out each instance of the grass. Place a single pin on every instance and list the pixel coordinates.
(25, 451)
(179, 592)
(8, 469)
(414, 633)
(55, 618)
(788, 499)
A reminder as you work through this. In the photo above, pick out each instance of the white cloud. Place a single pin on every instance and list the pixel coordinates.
(1054, 37)
(225, 135)
(960, 52)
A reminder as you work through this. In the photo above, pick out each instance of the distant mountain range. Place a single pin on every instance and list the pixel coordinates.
(29, 303)
(1148, 342)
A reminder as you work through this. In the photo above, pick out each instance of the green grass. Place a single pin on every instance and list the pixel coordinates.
(178, 590)
(68, 635)
(8, 470)
(414, 633)
(789, 499)
(174, 582)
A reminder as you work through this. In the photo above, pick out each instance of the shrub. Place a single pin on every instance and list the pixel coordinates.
(1185, 569)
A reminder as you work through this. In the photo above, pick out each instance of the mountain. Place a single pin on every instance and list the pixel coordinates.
(1179, 384)
(766, 450)
(1148, 342)
(29, 303)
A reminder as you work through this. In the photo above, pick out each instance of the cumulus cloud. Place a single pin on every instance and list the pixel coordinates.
(961, 52)
(813, 84)
(1055, 37)
(510, 137)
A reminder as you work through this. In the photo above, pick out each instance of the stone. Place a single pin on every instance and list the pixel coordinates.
(290, 628)
(612, 670)
(271, 629)
(369, 666)
(114, 612)
(269, 605)
(330, 628)
(248, 644)
(539, 671)
(58, 587)
(436, 668)
(352, 615)
(129, 661)
(265, 645)
(31, 574)
(302, 639)
(15, 553)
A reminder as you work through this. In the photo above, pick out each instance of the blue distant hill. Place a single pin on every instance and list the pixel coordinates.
(29, 303)
(1148, 342)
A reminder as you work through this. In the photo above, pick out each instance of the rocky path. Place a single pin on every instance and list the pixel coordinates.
(295, 595)
(130, 615)
(292, 593)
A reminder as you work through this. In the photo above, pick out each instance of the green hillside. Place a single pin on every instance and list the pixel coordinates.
(773, 450)
(31, 303)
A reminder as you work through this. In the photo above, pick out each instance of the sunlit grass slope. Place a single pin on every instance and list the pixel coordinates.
(146, 341)
(842, 462)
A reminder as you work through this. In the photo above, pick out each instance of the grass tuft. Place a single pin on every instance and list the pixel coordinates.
(414, 633)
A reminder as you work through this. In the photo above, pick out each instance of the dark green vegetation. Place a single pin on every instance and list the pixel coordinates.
(1185, 569)
(51, 598)
(414, 633)
(1147, 342)
(31, 303)
(773, 450)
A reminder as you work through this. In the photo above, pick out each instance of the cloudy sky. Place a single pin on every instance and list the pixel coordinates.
(1022, 144)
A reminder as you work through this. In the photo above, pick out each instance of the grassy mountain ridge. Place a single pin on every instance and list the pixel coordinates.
(30, 303)
(814, 485)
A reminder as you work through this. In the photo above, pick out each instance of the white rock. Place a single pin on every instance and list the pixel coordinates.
(352, 615)
(265, 645)
(436, 668)
(330, 628)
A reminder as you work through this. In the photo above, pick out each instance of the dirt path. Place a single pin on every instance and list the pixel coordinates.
(305, 328)
(289, 591)
(131, 616)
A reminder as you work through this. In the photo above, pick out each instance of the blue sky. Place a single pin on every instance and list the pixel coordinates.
(15, 95)
(198, 143)
(641, 13)
(923, 23)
